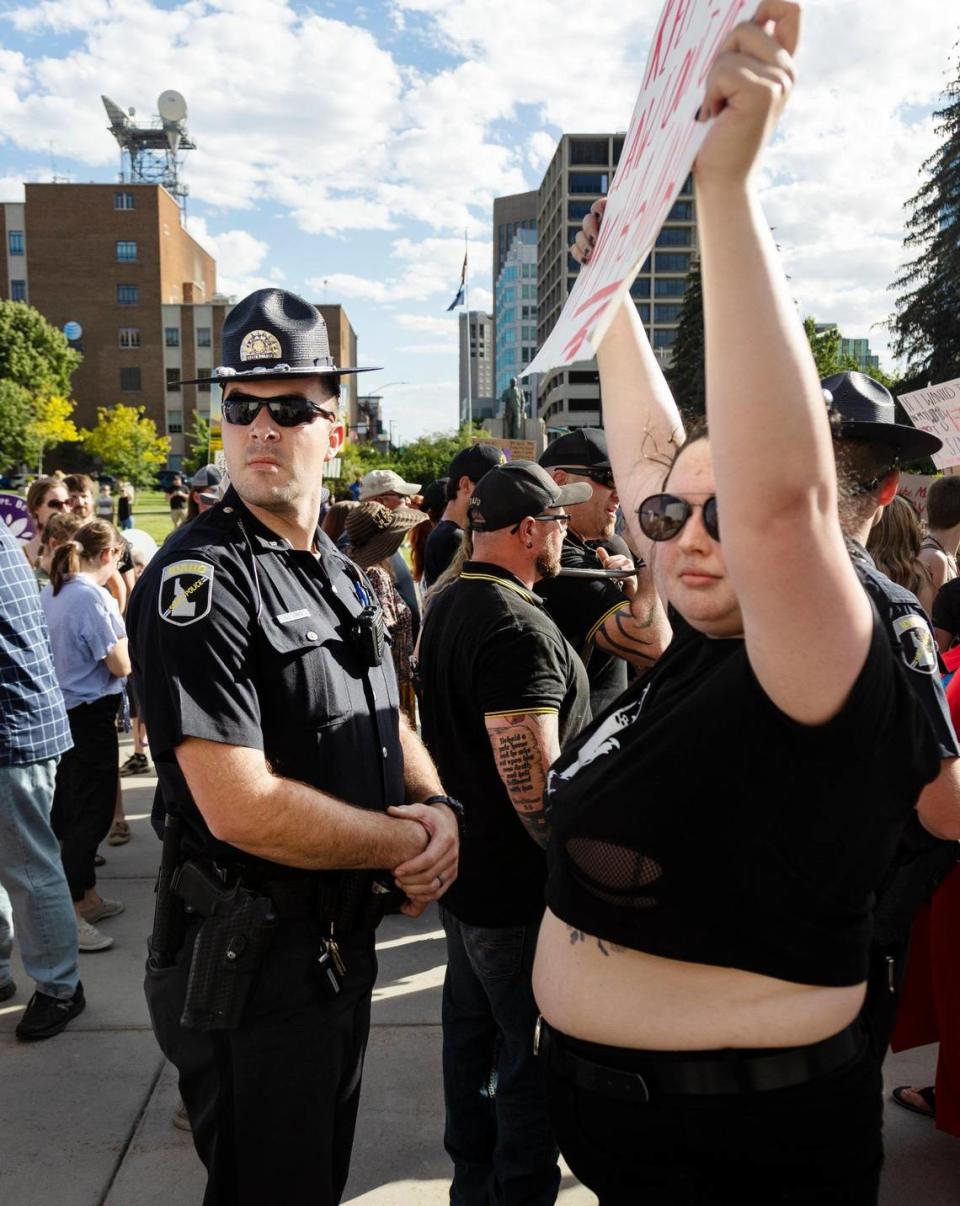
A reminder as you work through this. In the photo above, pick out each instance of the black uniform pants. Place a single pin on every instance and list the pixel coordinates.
(86, 791)
(273, 1103)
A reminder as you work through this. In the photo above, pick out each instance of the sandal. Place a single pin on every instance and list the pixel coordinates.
(119, 834)
(926, 1095)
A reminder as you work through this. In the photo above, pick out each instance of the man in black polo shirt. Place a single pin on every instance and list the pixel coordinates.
(610, 623)
(466, 469)
(502, 692)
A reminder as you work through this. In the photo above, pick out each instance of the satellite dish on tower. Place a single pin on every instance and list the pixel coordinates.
(171, 106)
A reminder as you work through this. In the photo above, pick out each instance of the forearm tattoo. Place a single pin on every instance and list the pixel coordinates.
(522, 762)
(627, 642)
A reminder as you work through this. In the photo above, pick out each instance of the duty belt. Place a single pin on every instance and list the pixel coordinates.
(652, 1073)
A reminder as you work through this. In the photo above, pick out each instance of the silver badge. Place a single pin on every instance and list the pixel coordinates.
(260, 345)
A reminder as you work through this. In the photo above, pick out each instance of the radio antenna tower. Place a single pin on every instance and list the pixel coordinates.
(151, 154)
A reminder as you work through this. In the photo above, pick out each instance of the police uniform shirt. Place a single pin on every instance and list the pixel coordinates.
(912, 642)
(489, 648)
(238, 638)
(579, 607)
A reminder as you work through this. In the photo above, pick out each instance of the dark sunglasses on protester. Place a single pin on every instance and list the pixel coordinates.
(662, 516)
(56, 504)
(603, 477)
(288, 410)
(562, 520)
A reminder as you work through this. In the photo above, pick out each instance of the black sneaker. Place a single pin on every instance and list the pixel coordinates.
(46, 1016)
(7, 990)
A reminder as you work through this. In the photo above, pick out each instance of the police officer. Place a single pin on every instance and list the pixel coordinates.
(611, 623)
(283, 767)
(870, 447)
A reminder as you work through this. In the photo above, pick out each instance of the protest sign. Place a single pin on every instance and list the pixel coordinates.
(15, 516)
(657, 155)
(914, 488)
(936, 410)
(513, 450)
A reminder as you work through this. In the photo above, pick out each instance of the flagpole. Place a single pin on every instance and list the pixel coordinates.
(466, 298)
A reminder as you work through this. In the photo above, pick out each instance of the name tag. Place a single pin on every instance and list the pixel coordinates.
(289, 616)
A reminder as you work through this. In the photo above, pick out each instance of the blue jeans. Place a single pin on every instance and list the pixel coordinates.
(497, 1132)
(33, 888)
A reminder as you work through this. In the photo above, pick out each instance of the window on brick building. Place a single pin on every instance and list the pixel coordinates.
(171, 337)
(127, 295)
(204, 337)
(124, 201)
(18, 290)
(174, 422)
(173, 379)
(15, 239)
(126, 250)
(129, 337)
(130, 379)
(204, 386)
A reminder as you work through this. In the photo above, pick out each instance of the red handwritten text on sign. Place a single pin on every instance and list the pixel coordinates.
(658, 152)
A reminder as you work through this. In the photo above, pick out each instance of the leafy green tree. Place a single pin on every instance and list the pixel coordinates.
(16, 413)
(126, 444)
(198, 443)
(33, 353)
(925, 326)
(51, 425)
(686, 375)
(356, 459)
(429, 457)
(825, 346)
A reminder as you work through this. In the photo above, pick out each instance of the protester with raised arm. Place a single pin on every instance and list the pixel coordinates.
(717, 836)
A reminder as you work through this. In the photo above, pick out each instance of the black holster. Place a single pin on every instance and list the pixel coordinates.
(168, 916)
(229, 948)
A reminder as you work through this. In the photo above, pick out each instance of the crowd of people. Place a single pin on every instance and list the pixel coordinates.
(659, 720)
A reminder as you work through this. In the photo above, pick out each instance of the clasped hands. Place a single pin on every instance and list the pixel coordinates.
(426, 877)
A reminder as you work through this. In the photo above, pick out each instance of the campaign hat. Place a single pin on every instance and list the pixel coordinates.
(376, 532)
(863, 409)
(585, 446)
(385, 481)
(511, 492)
(273, 334)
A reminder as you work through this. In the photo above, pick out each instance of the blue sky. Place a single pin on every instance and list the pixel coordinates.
(353, 144)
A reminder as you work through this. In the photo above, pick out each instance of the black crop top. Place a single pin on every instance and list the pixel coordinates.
(694, 820)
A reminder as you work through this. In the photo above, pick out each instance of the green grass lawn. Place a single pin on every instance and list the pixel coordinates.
(151, 513)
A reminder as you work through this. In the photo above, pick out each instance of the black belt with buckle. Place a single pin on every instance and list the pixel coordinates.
(729, 1072)
(352, 900)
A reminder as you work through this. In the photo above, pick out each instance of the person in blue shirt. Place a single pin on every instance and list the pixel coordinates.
(89, 644)
(34, 734)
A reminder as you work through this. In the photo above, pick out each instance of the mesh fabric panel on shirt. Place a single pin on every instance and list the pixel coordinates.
(615, 874)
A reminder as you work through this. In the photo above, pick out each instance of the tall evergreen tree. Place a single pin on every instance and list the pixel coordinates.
(686, 375)
(926, 325)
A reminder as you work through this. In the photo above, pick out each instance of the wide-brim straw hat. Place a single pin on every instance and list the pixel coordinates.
(376, 532)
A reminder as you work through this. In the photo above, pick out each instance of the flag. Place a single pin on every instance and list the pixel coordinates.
(458, 300)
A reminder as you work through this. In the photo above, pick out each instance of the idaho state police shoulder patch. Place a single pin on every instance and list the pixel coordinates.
(186, 592)
(917, 646)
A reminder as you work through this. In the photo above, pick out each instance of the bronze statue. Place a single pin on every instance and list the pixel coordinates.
(514, 411)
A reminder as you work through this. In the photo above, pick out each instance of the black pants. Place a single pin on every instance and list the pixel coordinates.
(86, 791)
(273, 1103)
(818, 1144)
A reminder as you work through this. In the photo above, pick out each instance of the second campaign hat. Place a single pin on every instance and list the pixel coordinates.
(272, 333)
(863, 409)
(585, 446)
(511, 492)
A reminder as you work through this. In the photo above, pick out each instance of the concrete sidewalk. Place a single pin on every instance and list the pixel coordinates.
(85, 1118)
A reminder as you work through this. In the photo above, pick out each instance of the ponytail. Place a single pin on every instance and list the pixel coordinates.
(88, 542)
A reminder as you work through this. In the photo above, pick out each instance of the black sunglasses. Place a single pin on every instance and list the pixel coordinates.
(563, 520)
(57, 504)
(603, 477)
(662, 516)
(289, 410)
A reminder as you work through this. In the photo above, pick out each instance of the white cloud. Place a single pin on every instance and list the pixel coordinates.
(239, 258)
(428, 268)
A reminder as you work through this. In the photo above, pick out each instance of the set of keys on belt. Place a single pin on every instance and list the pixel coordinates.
(330, 967)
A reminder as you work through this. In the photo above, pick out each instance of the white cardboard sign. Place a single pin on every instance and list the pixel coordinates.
(657, 155)
(914, 487)
(936, 409)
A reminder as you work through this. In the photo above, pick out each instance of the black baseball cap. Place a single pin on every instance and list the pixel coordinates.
(511, 492)
(585, 446)
(473, 463)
